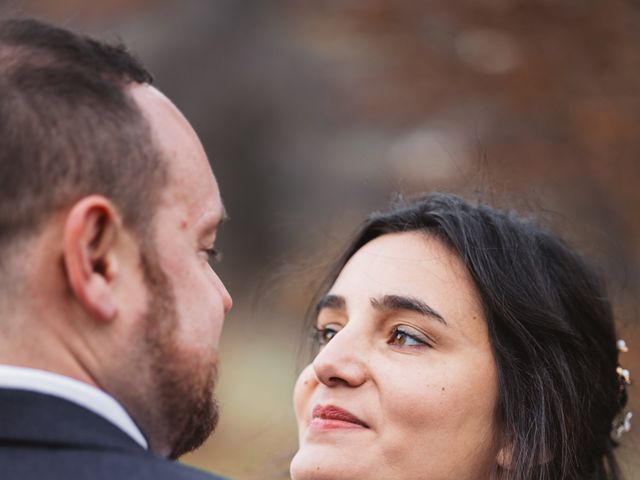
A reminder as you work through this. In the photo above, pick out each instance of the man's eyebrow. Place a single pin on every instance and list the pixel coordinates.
(224, 218)
(334, 302)
(412, 304)
(215, 223)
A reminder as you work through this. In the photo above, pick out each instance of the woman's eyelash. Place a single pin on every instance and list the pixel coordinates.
(402, 337)
(322, 336)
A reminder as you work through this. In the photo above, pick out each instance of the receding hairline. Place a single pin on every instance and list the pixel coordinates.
(49, 69)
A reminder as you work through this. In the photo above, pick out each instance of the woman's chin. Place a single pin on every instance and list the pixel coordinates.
(317, 462)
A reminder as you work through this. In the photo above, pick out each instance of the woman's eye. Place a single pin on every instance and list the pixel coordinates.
(408, 337)
(324, 334)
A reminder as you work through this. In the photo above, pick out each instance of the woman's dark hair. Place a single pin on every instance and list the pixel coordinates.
(551, 328)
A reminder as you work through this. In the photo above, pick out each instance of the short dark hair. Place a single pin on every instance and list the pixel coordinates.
(69, 128)
(551, 329)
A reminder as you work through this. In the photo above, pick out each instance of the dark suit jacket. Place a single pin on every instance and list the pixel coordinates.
(47, 438)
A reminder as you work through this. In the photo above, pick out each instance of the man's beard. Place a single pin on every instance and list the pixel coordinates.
(183, 385)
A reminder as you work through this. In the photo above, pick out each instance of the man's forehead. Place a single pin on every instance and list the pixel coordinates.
(154, 104)
(191, 185)
(171, 131)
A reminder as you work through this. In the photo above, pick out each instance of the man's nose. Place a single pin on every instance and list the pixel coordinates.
(227, 301)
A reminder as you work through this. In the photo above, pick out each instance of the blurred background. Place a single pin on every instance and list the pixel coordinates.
(315, 112)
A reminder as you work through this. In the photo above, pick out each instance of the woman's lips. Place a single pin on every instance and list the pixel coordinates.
(330, 417)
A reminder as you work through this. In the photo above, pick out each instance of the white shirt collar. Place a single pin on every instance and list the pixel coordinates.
(74, 391)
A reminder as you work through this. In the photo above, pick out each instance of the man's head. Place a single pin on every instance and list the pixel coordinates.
(108, 213)
(69, 128)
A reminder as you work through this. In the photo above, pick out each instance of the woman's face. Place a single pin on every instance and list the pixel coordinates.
(405, 383)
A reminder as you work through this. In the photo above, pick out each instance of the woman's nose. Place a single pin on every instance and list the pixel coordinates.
(342, 361)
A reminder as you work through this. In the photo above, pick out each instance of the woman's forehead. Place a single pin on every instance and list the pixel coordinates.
(407, 258)
(414, 265)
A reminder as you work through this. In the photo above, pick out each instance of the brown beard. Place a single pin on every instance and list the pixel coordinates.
(183, 385)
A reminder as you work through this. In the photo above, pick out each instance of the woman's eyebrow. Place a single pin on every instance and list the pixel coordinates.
(334, 302)
(399, 302)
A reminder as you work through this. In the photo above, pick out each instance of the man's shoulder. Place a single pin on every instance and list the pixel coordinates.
(163, 468)
(45, 437)
(23, 463)
(151, 466)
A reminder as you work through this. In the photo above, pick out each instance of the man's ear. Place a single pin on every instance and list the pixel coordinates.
(91, 231)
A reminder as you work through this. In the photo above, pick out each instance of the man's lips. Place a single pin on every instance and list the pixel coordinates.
(330, 416)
